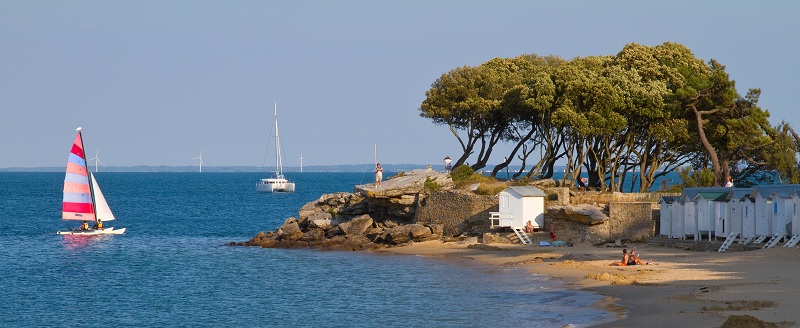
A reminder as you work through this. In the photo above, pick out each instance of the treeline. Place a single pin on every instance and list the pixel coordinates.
(639, 114)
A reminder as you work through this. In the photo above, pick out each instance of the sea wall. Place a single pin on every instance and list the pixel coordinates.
(458, 211)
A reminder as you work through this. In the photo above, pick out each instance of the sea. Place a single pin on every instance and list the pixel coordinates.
(173, 268)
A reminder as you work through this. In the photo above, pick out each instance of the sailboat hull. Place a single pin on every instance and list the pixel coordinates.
(93, 232)
(274, 185)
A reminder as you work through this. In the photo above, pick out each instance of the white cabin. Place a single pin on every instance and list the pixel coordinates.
(776, 207)
(702, 208)
(733, 221)
(667, 205)
(748, 217)
(517, 206)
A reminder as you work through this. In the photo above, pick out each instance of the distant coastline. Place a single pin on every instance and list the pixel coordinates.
(194, 168)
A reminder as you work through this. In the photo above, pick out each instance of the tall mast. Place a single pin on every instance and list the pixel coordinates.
(278, 169)
(88, 172)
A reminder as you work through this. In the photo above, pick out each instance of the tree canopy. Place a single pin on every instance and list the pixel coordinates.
(646, 110)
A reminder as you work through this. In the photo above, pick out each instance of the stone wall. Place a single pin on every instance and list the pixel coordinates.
(630, 221)
(453, 208)
(596, 197)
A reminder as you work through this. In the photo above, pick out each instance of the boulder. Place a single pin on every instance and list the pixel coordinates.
(583, 213)
(407, 233)
(356, 226)
(322, 220)
(290, 230)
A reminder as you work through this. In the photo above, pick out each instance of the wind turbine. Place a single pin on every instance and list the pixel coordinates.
(301, 163)
(96, 159)
(201, 160)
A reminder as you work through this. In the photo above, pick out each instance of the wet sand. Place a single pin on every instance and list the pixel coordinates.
(680, 288)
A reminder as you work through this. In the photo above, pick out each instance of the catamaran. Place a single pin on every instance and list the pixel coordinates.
(279, 183)
(83, 200)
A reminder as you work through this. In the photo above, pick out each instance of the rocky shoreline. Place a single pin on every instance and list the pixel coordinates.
(423, 205)
(368, 218)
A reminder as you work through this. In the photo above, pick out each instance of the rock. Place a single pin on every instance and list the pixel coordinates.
(313, 235)
(583, 213)
(356, 226)
(290, 231)
(407, 233)
(322, 220)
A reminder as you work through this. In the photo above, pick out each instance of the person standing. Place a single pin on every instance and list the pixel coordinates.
(378, 175)
(447, 162)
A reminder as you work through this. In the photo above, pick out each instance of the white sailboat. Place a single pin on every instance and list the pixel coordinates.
(83, 200)
(279, 183)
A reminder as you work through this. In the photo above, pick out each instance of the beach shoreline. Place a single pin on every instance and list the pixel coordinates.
(759, 288)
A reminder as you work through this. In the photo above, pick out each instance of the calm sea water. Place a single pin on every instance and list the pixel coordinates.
(171, 268)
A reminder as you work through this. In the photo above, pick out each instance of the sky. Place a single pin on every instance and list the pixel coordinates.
(159, 82)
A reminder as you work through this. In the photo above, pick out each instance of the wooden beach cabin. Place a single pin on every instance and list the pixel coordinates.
(771, 203)
(748, 210)
(517, 206)
(666, 204)
(775, 208)
(677, 230)
(733, 221)
(701, 208)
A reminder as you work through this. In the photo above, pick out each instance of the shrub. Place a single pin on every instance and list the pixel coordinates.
(431, 185)
(462, 173)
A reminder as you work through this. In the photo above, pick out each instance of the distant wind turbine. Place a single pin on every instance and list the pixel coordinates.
(96, 159)
(301, 163)
(201, 160)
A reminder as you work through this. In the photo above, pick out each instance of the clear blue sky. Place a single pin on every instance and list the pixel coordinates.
(154, 82)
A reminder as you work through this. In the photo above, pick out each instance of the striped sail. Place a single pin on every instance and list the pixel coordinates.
(77, 203)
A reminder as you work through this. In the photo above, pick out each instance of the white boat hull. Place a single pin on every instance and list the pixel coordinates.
(274, 185)
(94, 232)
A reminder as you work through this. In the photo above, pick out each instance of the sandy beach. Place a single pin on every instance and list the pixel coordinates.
(680, 288)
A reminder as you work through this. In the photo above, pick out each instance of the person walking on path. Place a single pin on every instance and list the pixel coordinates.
(378, 175)
(447, 162)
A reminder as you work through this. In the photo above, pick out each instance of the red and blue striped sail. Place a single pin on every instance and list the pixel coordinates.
(77, 204)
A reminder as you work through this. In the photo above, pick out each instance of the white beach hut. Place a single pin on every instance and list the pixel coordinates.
(666, 204)
(733, 221)
(774, 208)
(774, 211)
(748, 212)
(701, 208)
(517, 206)
(677, 230)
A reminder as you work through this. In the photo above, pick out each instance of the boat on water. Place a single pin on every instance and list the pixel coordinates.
(278, 183)
(83, 200)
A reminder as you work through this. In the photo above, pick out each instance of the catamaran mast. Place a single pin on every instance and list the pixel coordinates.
(278, 164)
(88, 172)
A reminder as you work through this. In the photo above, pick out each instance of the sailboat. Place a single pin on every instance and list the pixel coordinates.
(279, 182)
(83, 200)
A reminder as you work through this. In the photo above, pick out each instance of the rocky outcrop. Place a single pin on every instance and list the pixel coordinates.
(367, 218)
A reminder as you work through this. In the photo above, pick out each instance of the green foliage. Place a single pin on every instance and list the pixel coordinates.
(653, 108)
(332, 212)
(462, 173)
(431, 185)
(696, 178)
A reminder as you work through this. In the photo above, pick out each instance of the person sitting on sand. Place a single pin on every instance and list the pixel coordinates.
(633, 259)
(625, 258)
(529, 227)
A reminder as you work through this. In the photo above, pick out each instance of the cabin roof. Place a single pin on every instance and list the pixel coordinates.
(690, 193)
(669, 199)
(739, 193)
(783, 191)
(527, 191)
(714, 195)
